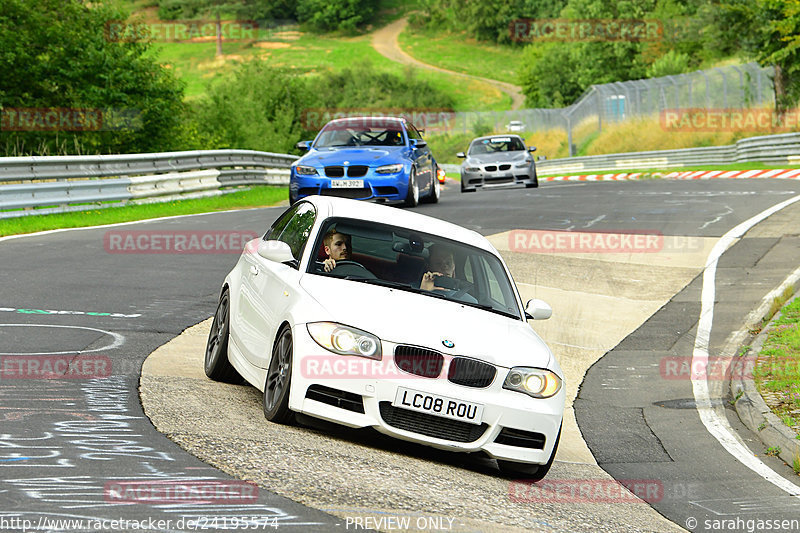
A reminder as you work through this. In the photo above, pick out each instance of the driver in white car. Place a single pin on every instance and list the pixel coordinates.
(337, 247)
(440, 263)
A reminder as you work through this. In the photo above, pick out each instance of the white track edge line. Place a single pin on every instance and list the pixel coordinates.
(719, 427)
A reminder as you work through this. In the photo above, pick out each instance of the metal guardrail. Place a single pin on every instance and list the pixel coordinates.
(58, 183)
(773, 149)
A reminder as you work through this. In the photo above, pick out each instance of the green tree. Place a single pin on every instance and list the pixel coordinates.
(61, 54)
(768, 31)
(335, 15)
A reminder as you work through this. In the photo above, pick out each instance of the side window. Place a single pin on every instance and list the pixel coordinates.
(412, 132)
(298, 228)
(279, 225)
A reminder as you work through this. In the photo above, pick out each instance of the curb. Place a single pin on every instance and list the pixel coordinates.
(754, 412)
(778, 173)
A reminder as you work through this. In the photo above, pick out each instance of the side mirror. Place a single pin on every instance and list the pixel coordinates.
(531, 148)
(303, 145)
(461, 155)
(418, 143)
(538, 310)
(277, 251)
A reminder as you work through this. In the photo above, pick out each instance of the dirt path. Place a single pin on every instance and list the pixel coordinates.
(384, 40)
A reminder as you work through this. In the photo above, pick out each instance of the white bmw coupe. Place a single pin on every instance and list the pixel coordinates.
(371, 316)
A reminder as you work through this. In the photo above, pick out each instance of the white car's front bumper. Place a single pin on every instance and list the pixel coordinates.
(514, 426)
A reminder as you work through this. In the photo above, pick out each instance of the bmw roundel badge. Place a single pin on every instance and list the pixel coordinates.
(448, 343)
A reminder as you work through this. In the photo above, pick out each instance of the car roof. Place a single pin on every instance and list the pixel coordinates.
(331, 206)
(385, 119)
(498, 135)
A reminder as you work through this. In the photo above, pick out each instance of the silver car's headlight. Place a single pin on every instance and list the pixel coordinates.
(536, 382)
(524, 164)
(472, 169)
(345, 340)
(389, 169)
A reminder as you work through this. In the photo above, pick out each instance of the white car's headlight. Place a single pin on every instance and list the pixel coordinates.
(524, 164)
(345, 340)
(535, 382)
(472, 169)
(305, 171)
(389, 169)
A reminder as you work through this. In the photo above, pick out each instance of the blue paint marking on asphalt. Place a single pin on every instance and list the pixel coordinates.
(14, 459)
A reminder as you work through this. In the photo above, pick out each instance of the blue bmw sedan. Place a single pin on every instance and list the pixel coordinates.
(363, 158)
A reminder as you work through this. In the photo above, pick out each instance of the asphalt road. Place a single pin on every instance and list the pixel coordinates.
(64, 442)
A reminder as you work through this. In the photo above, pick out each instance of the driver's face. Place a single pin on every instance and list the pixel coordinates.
(443, 263)
(338, 249)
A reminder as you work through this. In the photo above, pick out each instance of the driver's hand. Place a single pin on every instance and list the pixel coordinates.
(427, 283)
(329, 264)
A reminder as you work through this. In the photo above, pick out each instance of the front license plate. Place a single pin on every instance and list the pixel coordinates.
(347, 184)
(433, 404)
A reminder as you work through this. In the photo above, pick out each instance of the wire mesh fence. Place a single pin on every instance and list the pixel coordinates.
(729, 87)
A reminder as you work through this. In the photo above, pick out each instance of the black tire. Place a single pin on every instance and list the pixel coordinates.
(464, 189)
(436, 189)
(412, 196)
(530, 472)
(279, 380)
(216, 364)
(292, 198)
(534, 184)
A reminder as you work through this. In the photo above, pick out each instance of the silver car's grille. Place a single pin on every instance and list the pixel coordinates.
(505, 167)
(490, 168)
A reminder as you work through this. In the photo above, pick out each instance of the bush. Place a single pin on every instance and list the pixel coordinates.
(59, 54)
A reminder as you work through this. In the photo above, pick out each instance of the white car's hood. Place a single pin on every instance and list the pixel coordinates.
(407, 318)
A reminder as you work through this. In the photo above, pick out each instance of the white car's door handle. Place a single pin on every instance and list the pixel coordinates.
(254, 270)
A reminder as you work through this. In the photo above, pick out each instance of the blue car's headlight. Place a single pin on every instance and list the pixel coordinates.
(303, 170)
(389, 169)
(535, 382)
(345, 340)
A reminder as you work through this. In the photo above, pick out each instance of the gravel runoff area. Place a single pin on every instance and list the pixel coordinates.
(359, 473)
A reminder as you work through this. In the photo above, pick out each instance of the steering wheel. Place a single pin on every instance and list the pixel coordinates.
(460, 287)
(352, 268)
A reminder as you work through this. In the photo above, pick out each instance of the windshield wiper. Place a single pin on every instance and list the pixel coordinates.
(489, 308)
(384, 283)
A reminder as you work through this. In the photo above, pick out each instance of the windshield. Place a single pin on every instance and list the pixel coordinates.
(361, 132)
(392, 256)
(496, 144)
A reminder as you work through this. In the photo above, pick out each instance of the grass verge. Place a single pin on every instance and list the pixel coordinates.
(460, 53)
(262, 196)
(777, 373)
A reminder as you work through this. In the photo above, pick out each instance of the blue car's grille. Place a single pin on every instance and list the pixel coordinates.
(334, 172)
(356, 171)
(353, 194)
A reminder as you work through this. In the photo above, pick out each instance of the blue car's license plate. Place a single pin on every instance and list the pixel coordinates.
(347, 184)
